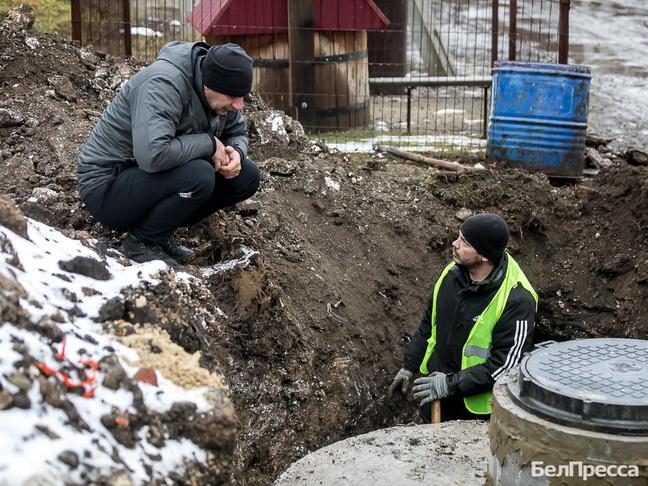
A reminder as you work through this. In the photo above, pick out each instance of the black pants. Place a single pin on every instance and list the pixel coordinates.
(153, 205)
(452, 408)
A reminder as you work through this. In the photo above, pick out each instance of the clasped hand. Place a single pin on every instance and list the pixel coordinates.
(227, 160)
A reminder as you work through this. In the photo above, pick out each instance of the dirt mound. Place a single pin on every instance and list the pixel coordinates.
(77, 406)
(342, 253)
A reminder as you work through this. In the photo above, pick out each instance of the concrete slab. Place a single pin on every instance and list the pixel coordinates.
(451, 453)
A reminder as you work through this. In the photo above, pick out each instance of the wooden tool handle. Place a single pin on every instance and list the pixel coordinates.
(436, 411)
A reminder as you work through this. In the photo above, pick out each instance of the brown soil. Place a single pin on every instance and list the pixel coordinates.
(313, 330)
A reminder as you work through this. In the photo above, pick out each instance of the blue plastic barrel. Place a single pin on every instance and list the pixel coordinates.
(538, 117)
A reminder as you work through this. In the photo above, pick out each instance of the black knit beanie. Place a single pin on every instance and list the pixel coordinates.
(227, 69)
(487, 233)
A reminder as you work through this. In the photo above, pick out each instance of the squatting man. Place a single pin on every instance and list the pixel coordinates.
(477, 323)
(171, 149)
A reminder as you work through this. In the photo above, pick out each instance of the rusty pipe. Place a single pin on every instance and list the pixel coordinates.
(563, 32)
(76, 21)
(512, 30)
(494, 31)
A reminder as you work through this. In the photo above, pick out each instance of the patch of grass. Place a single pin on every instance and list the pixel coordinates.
(51, 15)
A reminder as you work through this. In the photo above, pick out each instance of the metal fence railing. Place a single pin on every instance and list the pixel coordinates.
(412, 73)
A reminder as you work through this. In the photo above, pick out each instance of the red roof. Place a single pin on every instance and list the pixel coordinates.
(243, 17)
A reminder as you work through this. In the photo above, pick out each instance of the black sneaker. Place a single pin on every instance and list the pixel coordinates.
(141, 252)
(177, 251)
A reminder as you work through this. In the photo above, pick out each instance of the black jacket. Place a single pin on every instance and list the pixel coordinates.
(159, 120)
(460, 302)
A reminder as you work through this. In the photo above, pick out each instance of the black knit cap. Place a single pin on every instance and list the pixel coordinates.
(227, 69)
(487, 233)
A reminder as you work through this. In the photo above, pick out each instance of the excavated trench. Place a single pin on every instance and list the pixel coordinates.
(319, 322)
(309, 335)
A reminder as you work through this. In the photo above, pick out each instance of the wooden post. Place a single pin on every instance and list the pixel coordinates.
(495, 32)
(388, 47)
(563, 32)
(128, 51)
(436, 412)
(512, 30)
(76, 20)
(438, 163)
(301, 81)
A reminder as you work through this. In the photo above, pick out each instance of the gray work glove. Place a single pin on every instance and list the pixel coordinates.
(401, 382)
(430, 388)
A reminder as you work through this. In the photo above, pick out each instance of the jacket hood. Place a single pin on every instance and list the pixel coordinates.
(183, 55)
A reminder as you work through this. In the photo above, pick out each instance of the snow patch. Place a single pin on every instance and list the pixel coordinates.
(331, 183)
(411, 143)
(146, 32)
(243, 262)
(29, 455)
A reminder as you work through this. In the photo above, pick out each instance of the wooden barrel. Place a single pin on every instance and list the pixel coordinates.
(341, 79)
(341, 90)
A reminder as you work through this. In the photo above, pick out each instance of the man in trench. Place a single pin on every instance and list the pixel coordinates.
(477, 323)
(171, 149)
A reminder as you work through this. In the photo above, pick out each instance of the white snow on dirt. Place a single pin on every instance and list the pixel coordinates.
(26, 454)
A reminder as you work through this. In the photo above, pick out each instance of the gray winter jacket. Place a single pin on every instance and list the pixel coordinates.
(159, 120)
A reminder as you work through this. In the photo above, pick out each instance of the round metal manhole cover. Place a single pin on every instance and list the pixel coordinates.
(599, 384)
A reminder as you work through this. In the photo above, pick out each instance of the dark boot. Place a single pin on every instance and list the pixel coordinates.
(141, 252)
(177, 251)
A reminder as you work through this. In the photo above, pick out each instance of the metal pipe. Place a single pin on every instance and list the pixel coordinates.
(563, 32)
(495, 32)
(76, 20)
(485, 128)
(512, 30)
(414, 81)
(409, 110)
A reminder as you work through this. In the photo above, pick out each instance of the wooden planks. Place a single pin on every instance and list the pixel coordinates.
(332, 78)
(341, 79)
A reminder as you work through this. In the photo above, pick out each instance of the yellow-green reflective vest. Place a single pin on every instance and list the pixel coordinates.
(477, 348)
